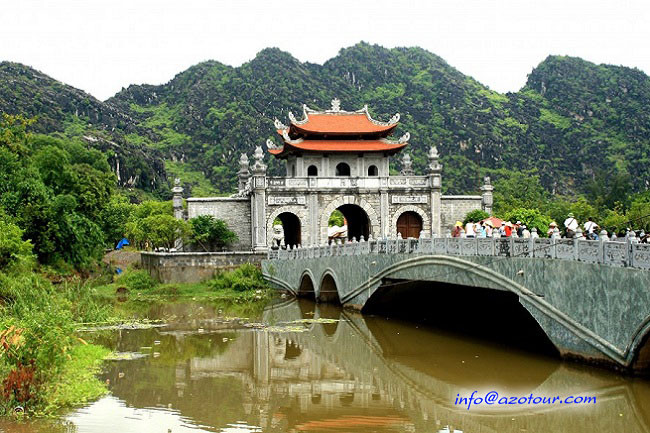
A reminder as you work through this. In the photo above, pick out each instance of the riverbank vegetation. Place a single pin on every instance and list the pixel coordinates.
(60, 209)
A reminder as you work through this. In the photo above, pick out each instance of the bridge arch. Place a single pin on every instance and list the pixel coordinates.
(328, 290)
(307, 289)
(373, 218)
(426, 220)
(438, 267)
(638, 355)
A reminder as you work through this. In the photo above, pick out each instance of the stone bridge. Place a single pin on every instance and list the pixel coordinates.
(591, 298)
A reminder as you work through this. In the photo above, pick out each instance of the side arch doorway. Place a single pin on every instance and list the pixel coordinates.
(290, 228)
(409, 225)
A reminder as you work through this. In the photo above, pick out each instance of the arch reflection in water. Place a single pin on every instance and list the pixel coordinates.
(371, 374)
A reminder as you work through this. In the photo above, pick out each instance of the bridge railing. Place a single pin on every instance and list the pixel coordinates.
(620, 252)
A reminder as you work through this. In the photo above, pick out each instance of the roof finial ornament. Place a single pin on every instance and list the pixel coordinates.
(404, 138)
(270, 144)
(336, 104)
(280, 125)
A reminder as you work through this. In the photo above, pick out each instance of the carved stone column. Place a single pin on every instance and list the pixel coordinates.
(435, 177)
(258, 202)
(488, 199)
(177, 200)
(244, 173)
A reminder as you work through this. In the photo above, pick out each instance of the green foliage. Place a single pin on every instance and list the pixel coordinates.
(38, 321)
(136, 280)
(54, 190)
(210, 233)
(14, 251)
(554, 119)
(77, 380)
(475, 216)
(247, 277)
(517, 190)
(531, 218)
(157, 231)
(559, 208)
(336, 219)
(114, 217)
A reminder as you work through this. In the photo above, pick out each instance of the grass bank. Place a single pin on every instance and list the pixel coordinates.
(240, 292)
(45, 365)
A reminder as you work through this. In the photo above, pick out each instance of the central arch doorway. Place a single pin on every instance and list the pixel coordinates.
(355, 220)
(409, 225)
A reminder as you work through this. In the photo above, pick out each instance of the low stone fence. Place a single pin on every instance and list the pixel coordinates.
(627, 253)
(184, 267)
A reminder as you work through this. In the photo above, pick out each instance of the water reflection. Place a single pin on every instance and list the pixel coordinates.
(364, 374)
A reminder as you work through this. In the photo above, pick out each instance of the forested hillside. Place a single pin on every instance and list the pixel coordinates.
(574, 124)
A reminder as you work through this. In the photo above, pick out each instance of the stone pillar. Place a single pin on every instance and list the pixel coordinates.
(435, 177)
(314, 220)
(258, 202)
(384, 217)
(178, 199)
(486, 192)
(244, 174)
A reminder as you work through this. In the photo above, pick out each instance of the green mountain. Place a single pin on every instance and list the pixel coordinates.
(64, 111)
(573, 123)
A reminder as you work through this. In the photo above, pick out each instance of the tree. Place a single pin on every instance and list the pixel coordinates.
(13, 249)
(165, 230)
(531, 218)
(475, 216)
(210, 233)
(114, 217)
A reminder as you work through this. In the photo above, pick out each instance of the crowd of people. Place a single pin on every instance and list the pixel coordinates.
(486, 229)
(572, 228)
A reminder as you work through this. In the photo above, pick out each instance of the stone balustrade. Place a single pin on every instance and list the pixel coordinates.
(620, 252)
(322, 182)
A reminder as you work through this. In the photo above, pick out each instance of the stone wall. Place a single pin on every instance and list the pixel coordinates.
(193, 267)
(455, 207)
(236, 212)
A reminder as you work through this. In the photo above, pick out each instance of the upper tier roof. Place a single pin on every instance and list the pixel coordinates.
(336, 130)
(338, 122)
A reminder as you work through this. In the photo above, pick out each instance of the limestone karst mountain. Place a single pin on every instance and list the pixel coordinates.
(573, 122)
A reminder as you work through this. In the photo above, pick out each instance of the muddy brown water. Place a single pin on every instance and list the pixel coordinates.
(304, 367)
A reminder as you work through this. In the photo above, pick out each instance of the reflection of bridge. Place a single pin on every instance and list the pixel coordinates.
(379, 355)
(591, 298)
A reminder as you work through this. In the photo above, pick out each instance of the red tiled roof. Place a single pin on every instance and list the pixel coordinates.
(340, 146)
(357, 123)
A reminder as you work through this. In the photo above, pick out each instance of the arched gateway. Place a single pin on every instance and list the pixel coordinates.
(336, 160)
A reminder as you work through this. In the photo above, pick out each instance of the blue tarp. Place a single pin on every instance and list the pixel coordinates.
(122, 243)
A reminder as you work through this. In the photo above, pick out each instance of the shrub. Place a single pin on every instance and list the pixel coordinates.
(245, 277)
(13, 249)
(137, 280)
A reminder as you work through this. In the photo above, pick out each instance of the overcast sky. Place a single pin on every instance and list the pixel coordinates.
(101, 46)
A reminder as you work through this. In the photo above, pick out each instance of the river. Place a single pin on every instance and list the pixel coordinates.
(305, 367)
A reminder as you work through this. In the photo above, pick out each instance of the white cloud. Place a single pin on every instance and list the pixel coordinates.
(101, 46)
